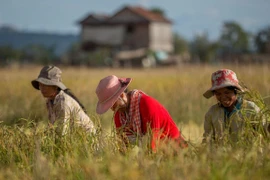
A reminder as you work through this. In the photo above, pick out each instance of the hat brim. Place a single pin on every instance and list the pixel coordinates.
(209, 93)
(103, 107)
(35, 83)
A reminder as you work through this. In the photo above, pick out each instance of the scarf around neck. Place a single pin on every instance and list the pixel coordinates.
(133, 118)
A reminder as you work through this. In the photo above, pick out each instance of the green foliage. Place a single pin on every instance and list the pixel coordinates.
(39, 54)
(202, 49)
(233, 38)
(180, 44)
(8, 54)
(158, 11)
(262, 40)
(36, 54)
(96, 58)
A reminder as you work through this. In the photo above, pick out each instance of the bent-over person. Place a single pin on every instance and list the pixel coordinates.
(136, 113)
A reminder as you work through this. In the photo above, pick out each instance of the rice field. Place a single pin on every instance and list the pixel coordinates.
(28, 150)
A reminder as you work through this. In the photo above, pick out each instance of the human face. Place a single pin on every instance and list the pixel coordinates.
(226, 97)
(120, 104)
(48, 91)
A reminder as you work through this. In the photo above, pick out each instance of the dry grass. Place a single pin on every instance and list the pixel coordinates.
(30, 152)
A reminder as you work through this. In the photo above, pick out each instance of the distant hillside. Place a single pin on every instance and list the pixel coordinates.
(19, 39)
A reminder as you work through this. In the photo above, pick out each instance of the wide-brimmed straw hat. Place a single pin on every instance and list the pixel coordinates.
(108, 91)
(220, 79)
(51, 76)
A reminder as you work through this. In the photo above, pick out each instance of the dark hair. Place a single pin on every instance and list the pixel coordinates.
(68, 92)
(232, 88)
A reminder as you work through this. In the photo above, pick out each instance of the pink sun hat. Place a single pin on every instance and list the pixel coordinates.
(220, 79)
(108, 91)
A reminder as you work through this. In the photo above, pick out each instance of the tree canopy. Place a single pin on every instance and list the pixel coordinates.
(233, 39)
(262, 40)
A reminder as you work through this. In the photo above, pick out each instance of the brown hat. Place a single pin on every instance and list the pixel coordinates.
(108, 91)
(51, 76)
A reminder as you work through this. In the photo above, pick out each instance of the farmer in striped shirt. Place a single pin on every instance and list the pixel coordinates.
(136, 113)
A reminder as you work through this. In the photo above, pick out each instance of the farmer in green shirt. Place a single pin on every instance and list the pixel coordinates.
(232, 113)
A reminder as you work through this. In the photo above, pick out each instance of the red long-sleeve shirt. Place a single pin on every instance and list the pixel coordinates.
(155, 116)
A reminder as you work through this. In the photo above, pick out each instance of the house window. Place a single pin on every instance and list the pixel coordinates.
(130, 28)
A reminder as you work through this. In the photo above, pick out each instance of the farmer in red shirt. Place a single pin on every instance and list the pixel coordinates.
(135, 113)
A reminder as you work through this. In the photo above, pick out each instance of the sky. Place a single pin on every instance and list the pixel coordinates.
(190, 18)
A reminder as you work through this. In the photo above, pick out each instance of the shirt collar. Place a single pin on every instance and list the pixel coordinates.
(237, 107)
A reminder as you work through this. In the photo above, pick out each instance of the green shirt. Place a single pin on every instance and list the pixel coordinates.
(219, 123)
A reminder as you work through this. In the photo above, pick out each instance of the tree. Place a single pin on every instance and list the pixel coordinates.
(233, 39)
(7, 52)
(180, 44)
(202, 49)
(262, 40)
(158, 11)
(39, 53)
